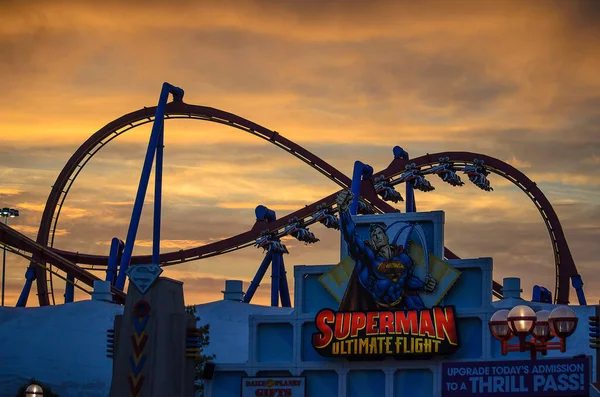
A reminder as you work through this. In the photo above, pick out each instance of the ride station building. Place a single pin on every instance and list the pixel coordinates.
(392, 318)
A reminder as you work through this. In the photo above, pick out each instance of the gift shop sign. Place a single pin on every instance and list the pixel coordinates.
(274, 387)
(540, 378)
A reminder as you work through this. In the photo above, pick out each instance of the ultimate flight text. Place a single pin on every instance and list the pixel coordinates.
(413, 332)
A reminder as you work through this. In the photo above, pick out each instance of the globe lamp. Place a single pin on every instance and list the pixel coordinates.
(34, 391)
(521, 320)
(499, 325)
(563, 321)
(541, 330)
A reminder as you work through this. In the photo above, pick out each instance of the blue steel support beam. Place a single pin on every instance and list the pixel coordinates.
(29, 277)
(284, 290)
(114, 257)
(577, 283)
(258, 277)
(275, 276)
(361, 171)
(158, 194)
(70, 289)
(145, 178)
(411, 205)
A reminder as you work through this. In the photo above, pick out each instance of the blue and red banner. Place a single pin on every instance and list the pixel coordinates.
(540, 378)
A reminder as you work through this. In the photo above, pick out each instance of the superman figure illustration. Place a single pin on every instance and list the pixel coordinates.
(383, 276)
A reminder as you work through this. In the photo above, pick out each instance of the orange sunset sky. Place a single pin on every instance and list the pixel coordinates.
(347, 80)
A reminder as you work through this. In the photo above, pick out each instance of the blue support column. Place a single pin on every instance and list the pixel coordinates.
(258, 277)
(69, 289)
(29, 277)
(114, 257)
(284, 290)
(577, 283)
(158, 195)
(411, 205)
(361, 171)
(157, 128)
(275, 276)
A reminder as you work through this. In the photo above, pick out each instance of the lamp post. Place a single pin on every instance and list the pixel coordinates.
(521, 321)
(6, 213)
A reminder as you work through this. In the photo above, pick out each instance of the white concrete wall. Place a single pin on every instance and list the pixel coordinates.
(63, 345)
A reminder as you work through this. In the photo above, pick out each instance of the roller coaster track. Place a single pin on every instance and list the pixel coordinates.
(174, 110)
(565, 265)
(180, 110)
(41, 254)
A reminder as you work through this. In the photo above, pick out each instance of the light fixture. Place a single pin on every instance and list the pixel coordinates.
(521, 321)
(34, 391)
(541, 330)
(9, 212)
(5, 213)
(564, 321)
(499, 327)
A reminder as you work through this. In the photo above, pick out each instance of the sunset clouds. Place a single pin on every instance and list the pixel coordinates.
(347, 80)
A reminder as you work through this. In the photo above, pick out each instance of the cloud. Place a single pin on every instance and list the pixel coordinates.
(169, 244)
(515, 162)
(37, 207)
(32, 231)
(568, 179)
(5, 191)
(593, 160)
(243, 205)
(117, 203)
(66, 212)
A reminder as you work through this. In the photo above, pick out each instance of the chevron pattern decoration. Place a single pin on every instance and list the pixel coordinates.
(141, 314)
